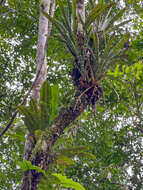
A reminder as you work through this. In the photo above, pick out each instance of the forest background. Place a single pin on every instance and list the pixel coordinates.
(100, 149)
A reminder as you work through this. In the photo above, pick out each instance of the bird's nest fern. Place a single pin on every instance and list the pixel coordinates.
(94, 49)
(101, 47)
(39, 117)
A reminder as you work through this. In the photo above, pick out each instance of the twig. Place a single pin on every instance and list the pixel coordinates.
(113, 89)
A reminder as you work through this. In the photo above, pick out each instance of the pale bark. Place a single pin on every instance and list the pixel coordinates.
(41, 71)
(41, 50)
(80, 10)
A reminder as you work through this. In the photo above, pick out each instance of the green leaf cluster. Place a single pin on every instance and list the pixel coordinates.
(59, 179)
(68, 183)
(134, 71)
(65, 156)
(27, 165)
(101, 47)
(38, 117)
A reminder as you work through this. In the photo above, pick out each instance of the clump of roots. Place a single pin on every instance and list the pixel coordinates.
(89, 87)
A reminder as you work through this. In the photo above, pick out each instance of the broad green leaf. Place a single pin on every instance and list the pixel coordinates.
(33, 105)
(27, 165)
(45, 93)
(69, 183)
(55, 100)
(44, 115)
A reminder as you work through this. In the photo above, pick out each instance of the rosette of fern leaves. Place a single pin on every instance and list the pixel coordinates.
(102, 46)
(39, 117)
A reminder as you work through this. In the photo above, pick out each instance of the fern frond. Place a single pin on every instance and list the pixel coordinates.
(95, 12)
(30, 119)
(67, 23)
(28, 114)
(116, 17)
(72, 151)
(114, 28)
(64, 33)
(80, 151)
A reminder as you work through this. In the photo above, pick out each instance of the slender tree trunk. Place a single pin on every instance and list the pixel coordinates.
(41, 66)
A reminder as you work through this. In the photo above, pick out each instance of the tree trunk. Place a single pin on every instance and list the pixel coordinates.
(41, 66)
(67, 115)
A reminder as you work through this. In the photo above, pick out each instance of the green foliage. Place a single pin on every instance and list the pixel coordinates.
(110, 46)
(65, 156)
(57, 181)
(133, 72)
(39, 117)
(18, 29)
(60, 179)
(68, 183)
(11, 149)
(114, 136)
(80, 151)
(27, 165)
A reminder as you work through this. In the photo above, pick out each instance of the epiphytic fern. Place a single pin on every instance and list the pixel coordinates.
(101, 44)
(38, 117)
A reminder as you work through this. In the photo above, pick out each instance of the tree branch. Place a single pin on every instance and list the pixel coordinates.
(66, 116)
(44, 158)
